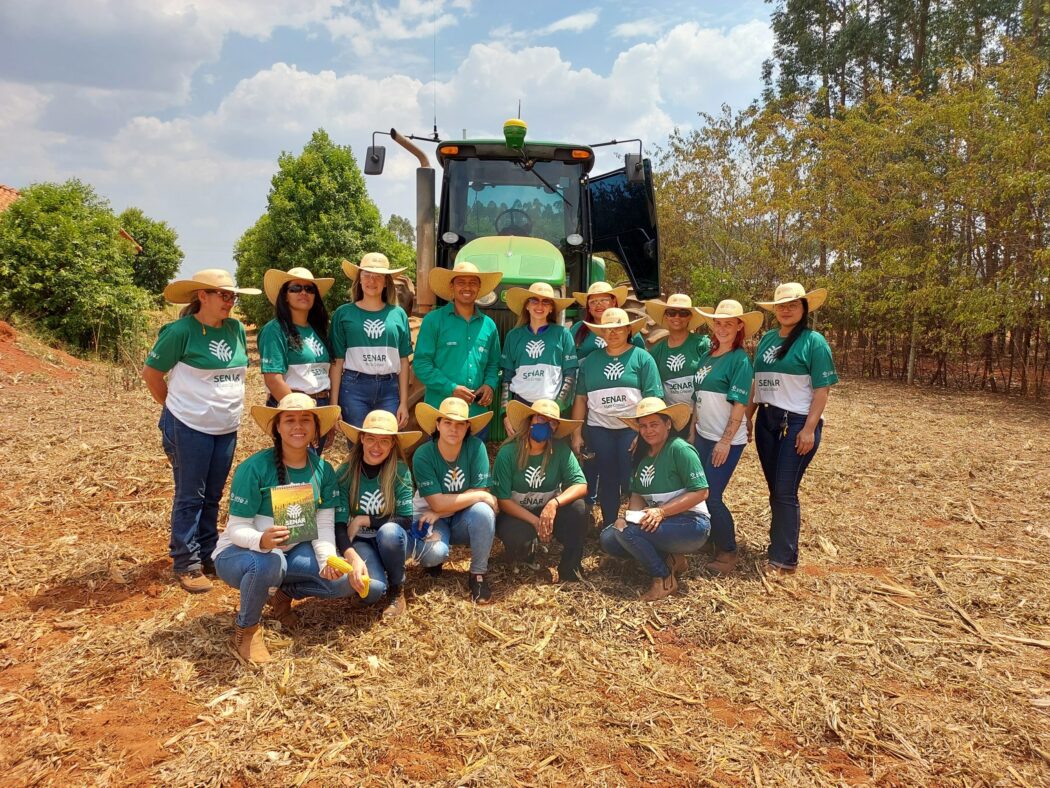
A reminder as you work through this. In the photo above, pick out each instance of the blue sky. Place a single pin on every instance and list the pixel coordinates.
(181, 107)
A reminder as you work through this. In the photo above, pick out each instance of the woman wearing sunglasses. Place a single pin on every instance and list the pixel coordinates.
(678, 354)
(599, 297)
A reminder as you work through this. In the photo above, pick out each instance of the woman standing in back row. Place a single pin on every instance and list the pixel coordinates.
(793, 373)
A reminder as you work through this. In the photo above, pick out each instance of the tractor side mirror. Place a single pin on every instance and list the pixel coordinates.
(375, 159)
(632, 163)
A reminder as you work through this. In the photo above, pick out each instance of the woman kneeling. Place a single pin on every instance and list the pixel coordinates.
(667, 516)
(281, 548)
(540, 487)
(375, 511)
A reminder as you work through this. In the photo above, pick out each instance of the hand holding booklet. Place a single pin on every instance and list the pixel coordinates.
(295, 509)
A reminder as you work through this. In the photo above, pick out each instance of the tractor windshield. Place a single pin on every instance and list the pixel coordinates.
(486, 197)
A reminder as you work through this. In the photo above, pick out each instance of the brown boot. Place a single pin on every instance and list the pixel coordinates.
(724, 563)
(249, 645)
(662, 587)
(677, 563)
(194, 582)
(281, 609)
(395, 602)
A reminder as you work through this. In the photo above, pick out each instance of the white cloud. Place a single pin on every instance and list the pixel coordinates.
(648, 27)
(576, 23)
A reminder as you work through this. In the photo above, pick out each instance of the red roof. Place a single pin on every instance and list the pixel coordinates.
(7, 196)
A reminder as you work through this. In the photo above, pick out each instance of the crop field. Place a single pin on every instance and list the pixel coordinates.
(912, 647)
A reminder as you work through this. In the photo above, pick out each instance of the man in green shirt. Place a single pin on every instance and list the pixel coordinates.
(458, 348)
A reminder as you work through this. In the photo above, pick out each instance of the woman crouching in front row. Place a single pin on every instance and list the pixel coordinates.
(666, 516)
(257, 555)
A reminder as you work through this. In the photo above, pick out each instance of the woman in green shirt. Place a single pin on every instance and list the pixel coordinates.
(540, 487)
(268, 545)
(371, 344)
(666, 517)
(375, 507)
(794, 372)
(599, 297)
(678, 354)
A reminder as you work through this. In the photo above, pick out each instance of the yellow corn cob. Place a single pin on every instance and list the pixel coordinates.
(343, 566)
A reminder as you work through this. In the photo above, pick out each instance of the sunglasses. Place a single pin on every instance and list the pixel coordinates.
(227, 297)
(677, 313)
(601, 301)
(541, 301)
(295, 287)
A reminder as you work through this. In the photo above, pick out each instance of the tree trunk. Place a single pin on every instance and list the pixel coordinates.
(913, 348)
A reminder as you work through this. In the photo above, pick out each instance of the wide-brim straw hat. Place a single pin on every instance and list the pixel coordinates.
(441, 279)
(181, 290)
(730, 308)
(679, 413)
(327, 415)
(792, 291)
(656, 309)
(384, 424)
(603, 288)
(517, 296)
(519, 413)
(274, 279)
(614, 317)
(451, 408)
(373, 262)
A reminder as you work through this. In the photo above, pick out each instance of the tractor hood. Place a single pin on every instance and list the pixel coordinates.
(522, 260)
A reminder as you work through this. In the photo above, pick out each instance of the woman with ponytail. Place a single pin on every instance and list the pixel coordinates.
(256, 553)
(793, 374)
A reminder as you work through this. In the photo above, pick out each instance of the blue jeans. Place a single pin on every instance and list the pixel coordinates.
(680, 533)
(783, 469)
(384, 554)
(360, 394)
(256, 575)
(723, 529)
(475, 525)
(200, 464)
(609, 473)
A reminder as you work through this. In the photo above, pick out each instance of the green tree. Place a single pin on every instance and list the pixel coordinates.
(402, 229)
(64, 265)
(318, 213)
(160, 258)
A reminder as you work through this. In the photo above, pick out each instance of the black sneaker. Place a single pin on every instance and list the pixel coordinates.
(433, 571)
(480, 593)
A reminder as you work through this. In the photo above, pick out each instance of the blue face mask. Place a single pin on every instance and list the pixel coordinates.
(541, 432)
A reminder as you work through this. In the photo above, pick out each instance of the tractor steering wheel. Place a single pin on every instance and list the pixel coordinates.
(518, 222)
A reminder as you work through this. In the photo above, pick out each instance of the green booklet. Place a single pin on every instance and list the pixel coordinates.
(295, 509)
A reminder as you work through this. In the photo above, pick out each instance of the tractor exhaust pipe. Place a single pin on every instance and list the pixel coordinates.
(425, 241)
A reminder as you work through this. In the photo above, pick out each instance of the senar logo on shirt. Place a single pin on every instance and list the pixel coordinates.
(315, 345)
(374, 328)
(647, 475)
(534, 349)
(535, 476)
(771, 354)
(676, 362)
(220, 349)
(702, 373)
(372, 502)
(600, 343)
(614, 370)
(454, 479)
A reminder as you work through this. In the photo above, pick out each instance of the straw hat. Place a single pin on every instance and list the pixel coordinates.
(517, 296)
(730, 308)
(602, 288)
(384, 424)
(653, 406)
(519, 413)
(328, 415)
(441, 279)
(274, 279)
(451, 408)
(657, 308)
(614, 317)
(373, 262)
(181, 291)
(792, 291)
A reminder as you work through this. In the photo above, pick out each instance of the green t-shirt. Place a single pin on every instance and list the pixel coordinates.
(593, 342)
(206, 369)
(719, 382)
(788, 383)
(451, 351)
(370, 499)
(532, 486)
(435, 476)
(678, 365)
(304, 370)
(253, 479)
(673, 472)
(614, 385)
(371, 342)
(536, 364)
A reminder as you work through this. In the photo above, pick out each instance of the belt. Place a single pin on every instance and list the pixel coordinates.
(317, 394)
(387, 376)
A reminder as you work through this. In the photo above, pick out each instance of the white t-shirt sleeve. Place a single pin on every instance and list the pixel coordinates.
(241, 532)
(324, 544)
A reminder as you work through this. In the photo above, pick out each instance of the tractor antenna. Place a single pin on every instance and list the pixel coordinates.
(519, 109)
(434, 23)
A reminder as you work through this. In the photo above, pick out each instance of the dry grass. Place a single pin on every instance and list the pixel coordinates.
(910, 649)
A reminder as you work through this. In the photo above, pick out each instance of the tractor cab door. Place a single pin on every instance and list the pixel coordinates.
(623, 224)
